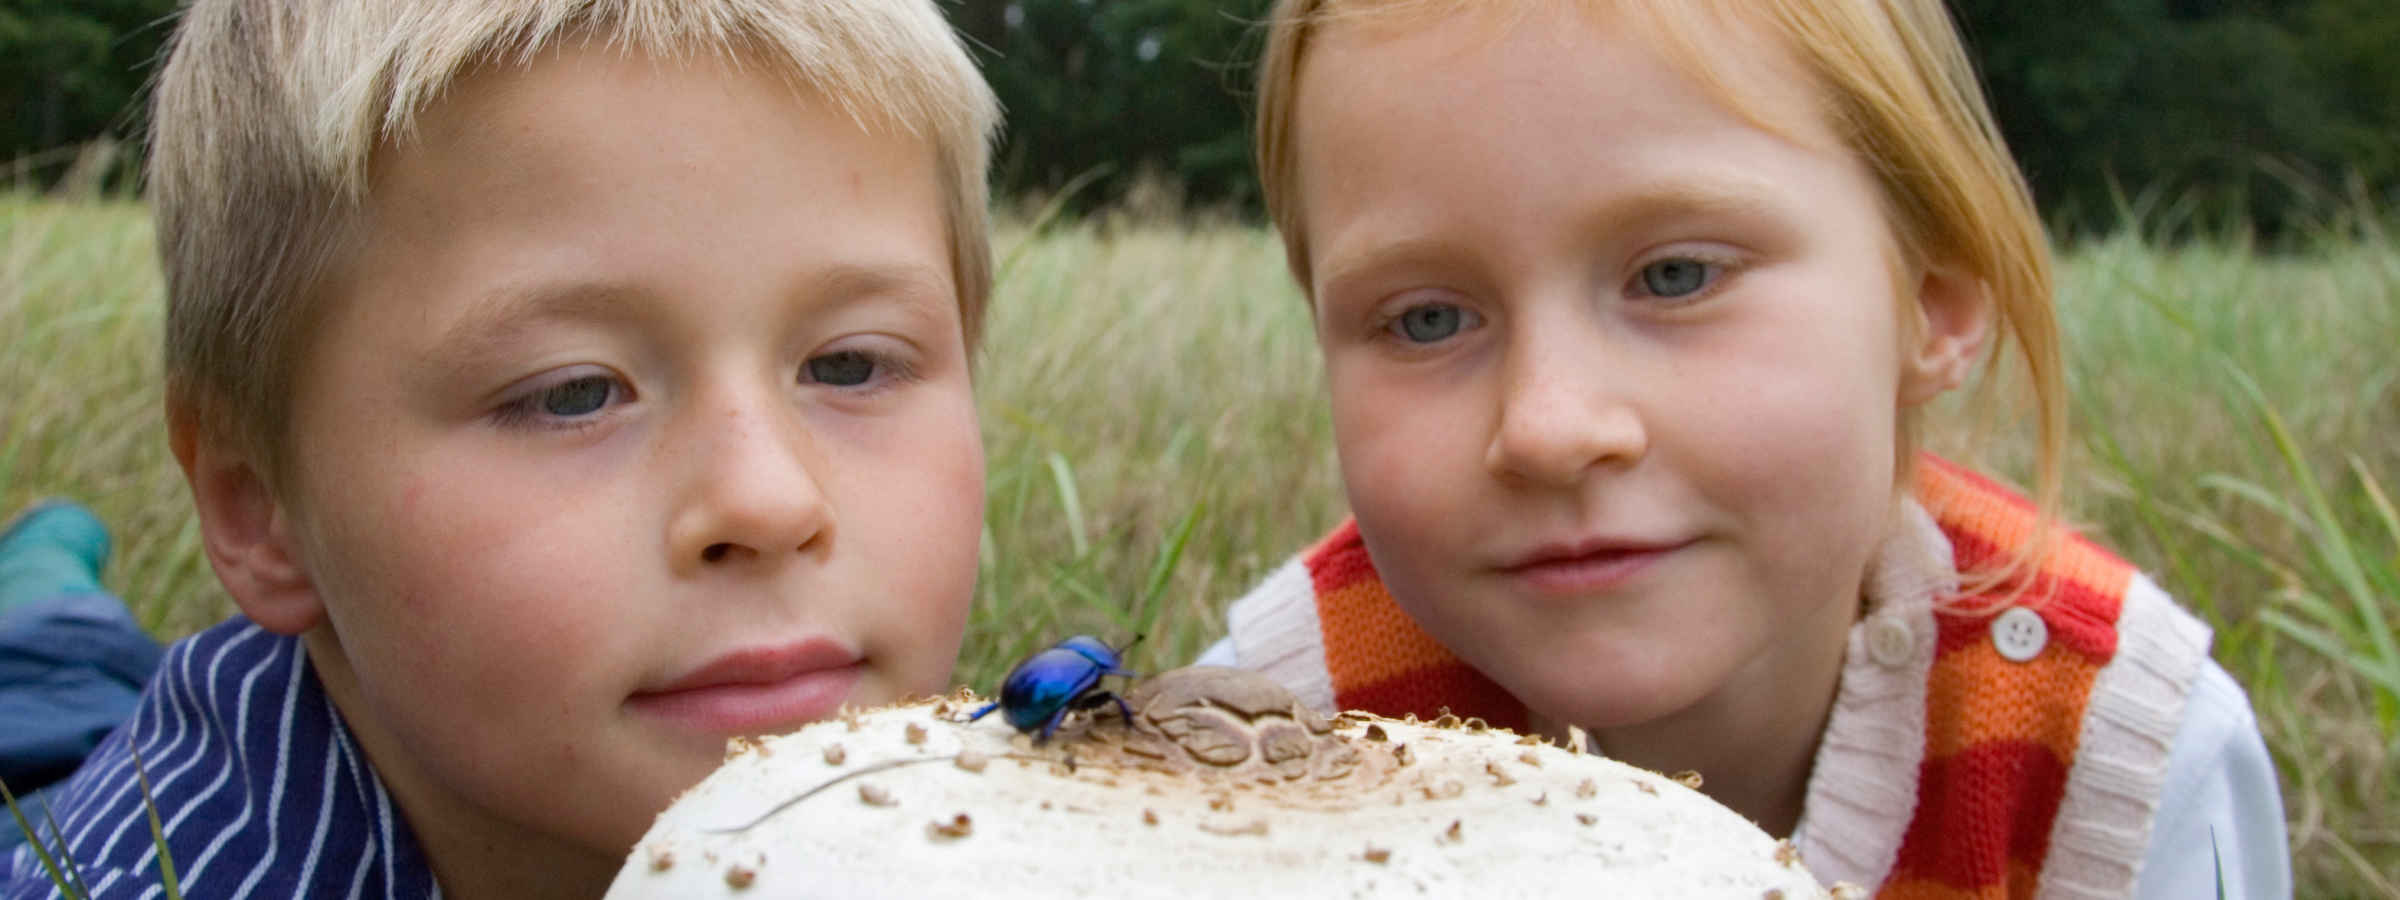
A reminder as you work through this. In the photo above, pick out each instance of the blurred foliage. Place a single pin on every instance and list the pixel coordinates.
(2251, 113)
(1121, 88)
(70, 71)
(2245, 114)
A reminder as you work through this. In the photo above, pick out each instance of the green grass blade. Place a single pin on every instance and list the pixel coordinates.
(2334, 546)
(1163, 570)
(74, 872)
(2312, 606)
(2258, 496)
(1070, 500)
(33, 839)
(158, 834)
(2382, 504)
(2326, 645)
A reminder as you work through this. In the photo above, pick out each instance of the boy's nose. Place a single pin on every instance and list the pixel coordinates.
(1560, 416)
(755, 495)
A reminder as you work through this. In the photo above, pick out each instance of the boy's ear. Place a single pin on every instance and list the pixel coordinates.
(1954, 320)
(246, 533)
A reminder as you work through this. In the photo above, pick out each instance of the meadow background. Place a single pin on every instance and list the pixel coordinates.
(2223, 176)
(1158, 440)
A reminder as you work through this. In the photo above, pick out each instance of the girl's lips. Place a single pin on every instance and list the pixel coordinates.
(758, 691)
(1587, 573)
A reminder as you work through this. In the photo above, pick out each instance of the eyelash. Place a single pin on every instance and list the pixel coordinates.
(1716, 269)
(890, 371)
(1388, 327)
(525, 410)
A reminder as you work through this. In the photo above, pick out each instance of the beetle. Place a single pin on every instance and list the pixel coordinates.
(1043, 688)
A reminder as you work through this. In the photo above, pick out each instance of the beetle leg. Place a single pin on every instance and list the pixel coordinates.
(986, 709)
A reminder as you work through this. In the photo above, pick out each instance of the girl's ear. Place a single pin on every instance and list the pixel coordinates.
(1954, 319)
(246, 533)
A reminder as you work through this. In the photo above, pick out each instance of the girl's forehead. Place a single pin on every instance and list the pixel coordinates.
(1739, 52)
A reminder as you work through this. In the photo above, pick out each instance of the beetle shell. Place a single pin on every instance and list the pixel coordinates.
(1042, 688)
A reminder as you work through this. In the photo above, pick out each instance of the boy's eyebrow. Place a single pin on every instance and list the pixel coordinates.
(496, 319)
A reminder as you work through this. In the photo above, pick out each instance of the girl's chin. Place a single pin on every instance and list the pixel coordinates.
(1598, 705)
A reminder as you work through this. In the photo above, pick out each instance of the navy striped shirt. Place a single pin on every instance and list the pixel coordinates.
(259, 787)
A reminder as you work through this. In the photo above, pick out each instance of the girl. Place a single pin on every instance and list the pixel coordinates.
(1626, 309)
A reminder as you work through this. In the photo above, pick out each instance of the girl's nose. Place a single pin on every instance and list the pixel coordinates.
(754, 493)
(1563, 412)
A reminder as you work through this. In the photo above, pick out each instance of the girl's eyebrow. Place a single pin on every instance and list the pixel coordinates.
(1684, 195)
(1377, 256)
(1715, 194)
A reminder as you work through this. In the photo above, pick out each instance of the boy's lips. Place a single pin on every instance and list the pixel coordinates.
(1587, 565)
(757, 690)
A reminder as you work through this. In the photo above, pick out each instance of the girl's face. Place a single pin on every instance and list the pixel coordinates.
(1615, 371)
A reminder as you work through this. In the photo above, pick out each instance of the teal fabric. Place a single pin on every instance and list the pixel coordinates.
(51, 549)
(72, 659)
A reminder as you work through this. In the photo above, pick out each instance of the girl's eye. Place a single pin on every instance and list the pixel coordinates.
(1671, 278)
(1431, 323)
(846, 368)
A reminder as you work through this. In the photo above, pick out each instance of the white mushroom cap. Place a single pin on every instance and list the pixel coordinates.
(912, 801)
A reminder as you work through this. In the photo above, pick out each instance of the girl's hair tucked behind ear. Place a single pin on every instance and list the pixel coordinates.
(1900, 91)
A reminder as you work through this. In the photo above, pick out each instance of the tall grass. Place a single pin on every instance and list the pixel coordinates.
(1158, 441)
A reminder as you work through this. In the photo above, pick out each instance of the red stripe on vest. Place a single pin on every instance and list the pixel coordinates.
(1978, 809)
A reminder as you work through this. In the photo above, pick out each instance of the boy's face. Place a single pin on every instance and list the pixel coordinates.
(641, 419)
(1615, 373)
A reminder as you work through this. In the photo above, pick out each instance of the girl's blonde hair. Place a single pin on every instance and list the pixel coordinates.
(268, 112)
(1900, 92)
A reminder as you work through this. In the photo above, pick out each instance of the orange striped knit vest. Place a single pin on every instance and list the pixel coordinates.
(2000, 737)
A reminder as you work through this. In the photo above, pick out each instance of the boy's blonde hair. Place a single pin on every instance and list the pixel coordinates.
(268, 113)
(1900, 91)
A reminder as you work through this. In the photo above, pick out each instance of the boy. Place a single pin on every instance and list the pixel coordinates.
(564, 389)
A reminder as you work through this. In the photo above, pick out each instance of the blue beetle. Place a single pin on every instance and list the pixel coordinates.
(1041, 690)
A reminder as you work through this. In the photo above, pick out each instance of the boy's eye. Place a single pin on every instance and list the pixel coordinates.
(1431, 323)
(847, 368)
(580, 397)
(575, 402)
(1675, 277)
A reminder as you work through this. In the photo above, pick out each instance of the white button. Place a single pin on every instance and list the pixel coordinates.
(1890, 642)
(2020, 634)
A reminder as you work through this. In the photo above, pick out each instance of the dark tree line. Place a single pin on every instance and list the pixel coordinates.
(2260, 111)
